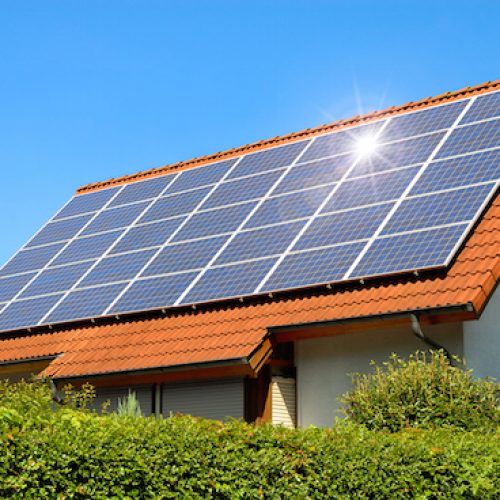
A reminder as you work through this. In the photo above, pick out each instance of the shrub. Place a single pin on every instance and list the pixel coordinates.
(62, 452)
(425, 390)
(129, 406)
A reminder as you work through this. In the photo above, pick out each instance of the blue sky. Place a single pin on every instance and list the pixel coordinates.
(95, 89)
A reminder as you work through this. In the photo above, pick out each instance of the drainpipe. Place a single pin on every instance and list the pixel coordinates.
(418, 332)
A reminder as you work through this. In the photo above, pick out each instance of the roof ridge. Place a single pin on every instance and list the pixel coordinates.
(283, 139)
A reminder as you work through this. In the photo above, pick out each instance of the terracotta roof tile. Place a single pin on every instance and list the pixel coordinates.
(225, 332)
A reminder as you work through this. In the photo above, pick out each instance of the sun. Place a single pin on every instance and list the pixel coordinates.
(366, 146)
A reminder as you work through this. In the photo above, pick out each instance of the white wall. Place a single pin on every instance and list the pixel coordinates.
(323, 365)
(482, 340)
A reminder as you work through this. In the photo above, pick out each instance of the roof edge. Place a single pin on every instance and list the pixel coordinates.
(294, 136)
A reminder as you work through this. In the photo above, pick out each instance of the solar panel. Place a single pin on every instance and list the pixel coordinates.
(306, 213)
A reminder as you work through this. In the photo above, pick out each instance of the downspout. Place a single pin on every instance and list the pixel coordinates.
(418, 332)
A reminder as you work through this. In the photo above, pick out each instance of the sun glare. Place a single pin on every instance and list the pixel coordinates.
(366, 146)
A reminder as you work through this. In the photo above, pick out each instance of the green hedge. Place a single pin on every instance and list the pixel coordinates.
(68, 453)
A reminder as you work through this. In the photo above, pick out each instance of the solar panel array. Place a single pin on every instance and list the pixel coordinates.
(302, 214)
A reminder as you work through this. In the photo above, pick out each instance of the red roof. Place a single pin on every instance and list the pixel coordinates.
(235, 331)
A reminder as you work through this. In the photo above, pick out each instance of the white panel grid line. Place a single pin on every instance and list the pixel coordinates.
(64, 247)
(316, 213)
(173, 235)
(242, 224)
(109, 249)
(408, 189)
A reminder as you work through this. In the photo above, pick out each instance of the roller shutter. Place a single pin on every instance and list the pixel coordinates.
(214, 399)
(144, 394)
(283, 401)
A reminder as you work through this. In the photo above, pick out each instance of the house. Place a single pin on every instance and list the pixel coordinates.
(283, 354)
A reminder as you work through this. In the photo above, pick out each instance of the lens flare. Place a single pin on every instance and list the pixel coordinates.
(366, 146)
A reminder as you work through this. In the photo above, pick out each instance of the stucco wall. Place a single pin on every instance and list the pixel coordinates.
(482, 340)
(323, 364)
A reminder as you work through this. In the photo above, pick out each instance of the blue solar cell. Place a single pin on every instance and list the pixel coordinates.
(229, 281)
(409, 252)
(26, 313)
(115, 218)
(153, 293)
(422, 122)
(56, 280)
(315, 174)
(485, 106)
(117, 268)
(461, 171)
(11, 286)
(313, 267)
(438, 209)
(398, 154)
(260, 243)
(339, 142)
(31, 259)
(268, 159)
(248, 188)
(59, 230)
(87, 303)
(471, 138)
(90, 202)
(341, 227)
(171, 206)
(201, 176)
(216, 221)
(90, 247)
(372, 189)
(142, 190)
(289, 207)
(185, 256)
(148, 235)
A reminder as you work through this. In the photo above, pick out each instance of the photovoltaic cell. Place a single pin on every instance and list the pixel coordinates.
(26, 313)
(171, 206)
(153, 293)
(218, 221)
(244, 189)
(485, 106)
(288, 207)
(260, 243)
(398, 154)
(372, 189)
(148, 235)
(422, 122)
(89, 202)
(117, 268)
(59, 231)
(229, 281)
(313, 267)
(314, 174)
(340, 142)
(142, 190)
(459, 171)
(201, 176)
(10, 287)
(471, 138)
(438, 209)
(185, 256)
(31, 259)
(90, 247)
(57, 279)
(87, 303)
(342, 227)
(268, 159)
(409, 251)
(115, 218)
